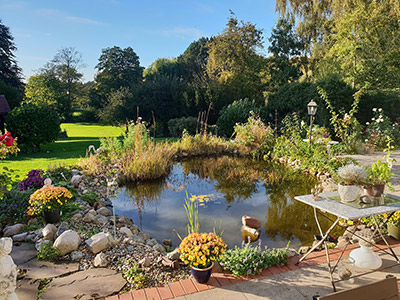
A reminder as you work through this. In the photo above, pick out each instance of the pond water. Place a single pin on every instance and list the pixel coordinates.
(236, 187)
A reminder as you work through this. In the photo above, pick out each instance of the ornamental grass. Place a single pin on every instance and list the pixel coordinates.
(48, 198)
(200, 250)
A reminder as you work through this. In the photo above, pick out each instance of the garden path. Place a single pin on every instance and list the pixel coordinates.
(275, 283)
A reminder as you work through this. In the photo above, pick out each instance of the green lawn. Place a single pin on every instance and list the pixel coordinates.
(68, 150)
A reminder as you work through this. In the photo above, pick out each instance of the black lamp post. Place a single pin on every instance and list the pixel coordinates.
(312, 110)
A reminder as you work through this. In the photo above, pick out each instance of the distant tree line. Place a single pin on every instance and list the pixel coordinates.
(341, 46)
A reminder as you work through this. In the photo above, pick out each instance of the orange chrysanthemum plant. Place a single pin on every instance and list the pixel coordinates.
(48, 198)
(200, 250)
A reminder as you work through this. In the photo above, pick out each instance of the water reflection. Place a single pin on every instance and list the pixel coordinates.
(237, 187)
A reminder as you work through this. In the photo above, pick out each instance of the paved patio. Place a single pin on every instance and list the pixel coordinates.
(275, 283)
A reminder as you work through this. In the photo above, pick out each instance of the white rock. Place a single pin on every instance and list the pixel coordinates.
(103, 211)
(13, 230)
(76, 255)
(8, 271)
(125, 220)
(20, 237)
(49, 232)
(67, 242)
(111, 239)
(76, 180)
(126, 231)
(100, 260)
(102, 220)
(98, 242)
(159, 248)
(145, 236)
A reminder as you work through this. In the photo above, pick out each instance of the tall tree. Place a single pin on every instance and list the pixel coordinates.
(10, 73)
(234, 61)
(286, 48)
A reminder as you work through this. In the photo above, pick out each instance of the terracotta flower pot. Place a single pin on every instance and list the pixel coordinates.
(52, 216)
(375, 190)
(393, 231)
(202, 275)
(349, 193)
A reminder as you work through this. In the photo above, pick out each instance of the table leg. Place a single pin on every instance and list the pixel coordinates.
(320, 242)
(378, 228)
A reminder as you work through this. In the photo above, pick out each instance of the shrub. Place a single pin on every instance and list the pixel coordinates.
(176, 126)
(59, 172)
(87, 115)
(255, 136)
(237, 112)
(48, 252)
(33, 125)
(249, 260)
(14, 206)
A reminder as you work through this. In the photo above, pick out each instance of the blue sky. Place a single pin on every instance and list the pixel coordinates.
(152, 28)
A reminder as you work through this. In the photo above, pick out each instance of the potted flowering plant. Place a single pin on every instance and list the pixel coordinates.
(349, 179)
(393, 225)
(199, 251)
(8, 145)
(48, 201)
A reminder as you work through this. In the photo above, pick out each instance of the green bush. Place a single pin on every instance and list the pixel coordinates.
(249, 260)
(176, 126)
(33, 125)
(237, 112)
(48, 252)
(14, 206)
(90, 197)
(88, 115)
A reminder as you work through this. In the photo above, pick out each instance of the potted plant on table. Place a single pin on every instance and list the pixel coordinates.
(199, 251)
(48, 201)
(349, 179)
(379, 176)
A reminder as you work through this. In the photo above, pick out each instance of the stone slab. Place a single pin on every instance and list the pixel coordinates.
(23, 253)
(37, 269)
(27, 289)
(89, 284)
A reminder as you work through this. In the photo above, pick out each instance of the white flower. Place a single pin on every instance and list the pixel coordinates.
(374, 109)
(380, 109)
(302, 123)
(367, 123)
(373, 119)
(366, 140)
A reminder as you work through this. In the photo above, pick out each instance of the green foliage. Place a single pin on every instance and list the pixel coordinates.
(255, 136)
(33, 125)
(237, 112)
(176, 126)
(90, 197)
(115, 110)
(59, 172)
(249, 260)
(13, 95)
(135, 276)
(48, 252)
(14, 206)
(192, 213)
(8, 179)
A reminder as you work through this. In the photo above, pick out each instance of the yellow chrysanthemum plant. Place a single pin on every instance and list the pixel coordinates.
(48, 198)
(200, 250)
(394, 219)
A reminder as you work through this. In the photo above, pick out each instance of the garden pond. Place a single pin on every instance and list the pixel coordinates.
(236, 187)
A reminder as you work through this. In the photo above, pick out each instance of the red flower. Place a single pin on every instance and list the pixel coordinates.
(8, 141)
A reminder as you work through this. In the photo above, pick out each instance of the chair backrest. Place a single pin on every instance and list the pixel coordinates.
(382, 290)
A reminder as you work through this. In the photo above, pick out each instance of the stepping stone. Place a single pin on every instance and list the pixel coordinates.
(23, 253)
(89, 284)
(37, 269)
(27, 289)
